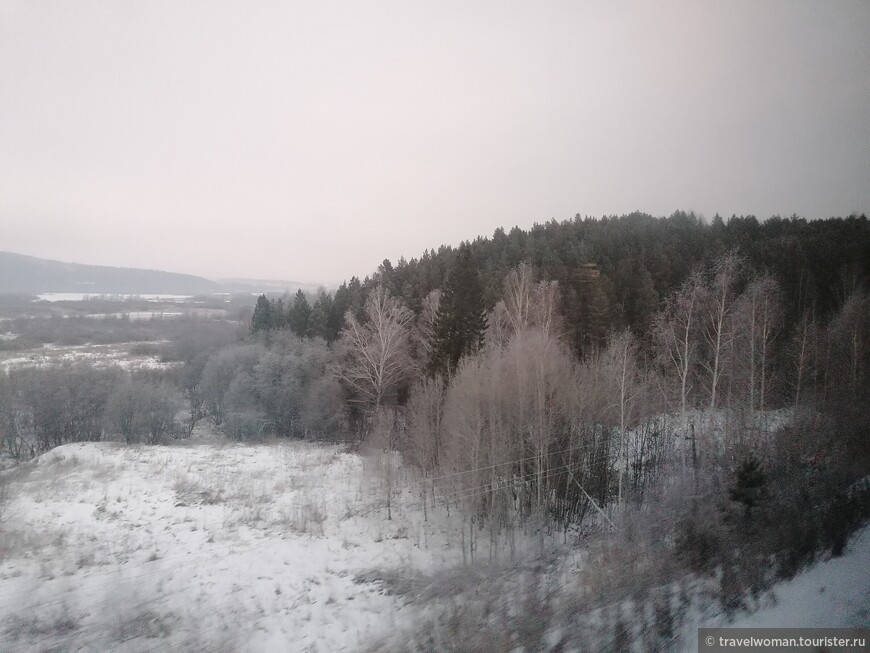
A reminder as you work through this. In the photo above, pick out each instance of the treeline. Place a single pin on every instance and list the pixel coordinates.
(641, 260)
(508, 396)
(607, 355)
(44, 407)
(735, 315)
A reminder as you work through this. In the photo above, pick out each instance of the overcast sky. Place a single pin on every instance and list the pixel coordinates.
(311, 140)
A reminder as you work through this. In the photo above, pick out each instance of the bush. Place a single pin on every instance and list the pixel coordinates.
(840, 519)
(748, 484)
(698, 543)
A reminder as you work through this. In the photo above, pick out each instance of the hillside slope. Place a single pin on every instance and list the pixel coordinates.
(31, 275)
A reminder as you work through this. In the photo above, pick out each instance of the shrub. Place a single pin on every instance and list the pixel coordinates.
(749, 484)
(698, 543)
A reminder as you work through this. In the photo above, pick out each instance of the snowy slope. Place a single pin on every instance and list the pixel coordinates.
(273, 547)
(834, 593)
(206, 547)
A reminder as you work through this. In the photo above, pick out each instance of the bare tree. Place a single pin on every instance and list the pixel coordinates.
(498, 327)
(805, 338)
(525, 304)
(424, 333)
(716, 308)
(518, 289)
(771, 322)
(675, 329)
(545, 309)
(849, 340)
(375, 354)
(159, 406)
(125, 410)
(220, 371)
(621, 356)
(757, 319)
(425, 415)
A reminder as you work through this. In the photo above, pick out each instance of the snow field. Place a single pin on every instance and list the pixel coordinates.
(211, 546)
(100, 356)
(207, 547)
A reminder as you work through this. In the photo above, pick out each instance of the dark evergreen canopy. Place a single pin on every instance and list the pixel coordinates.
(460, 324)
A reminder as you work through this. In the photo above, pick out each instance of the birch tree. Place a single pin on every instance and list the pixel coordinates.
(850, 342)
(716, 310)
(621, 356)
(518, 289)
(757, 320)
(675, 333)
(804, 343)
(425, 415)
(375, 354)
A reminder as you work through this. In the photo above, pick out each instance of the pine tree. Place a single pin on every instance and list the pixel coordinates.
(460, 323)
(318, 321)
(263, 318)
(596, 314)
(749, 484)
(300, 314)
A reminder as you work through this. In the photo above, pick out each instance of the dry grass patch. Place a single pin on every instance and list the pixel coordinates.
(190, 491)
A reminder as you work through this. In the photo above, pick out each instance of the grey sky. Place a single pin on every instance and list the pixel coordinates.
(310, 140)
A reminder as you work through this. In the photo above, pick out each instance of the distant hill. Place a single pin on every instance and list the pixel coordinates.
(31, 275)
(271, 286)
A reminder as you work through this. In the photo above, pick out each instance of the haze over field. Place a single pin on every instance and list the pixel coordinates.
(311, 141)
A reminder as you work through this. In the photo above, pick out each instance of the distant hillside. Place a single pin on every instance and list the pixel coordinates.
(31, 275)
(266, 286)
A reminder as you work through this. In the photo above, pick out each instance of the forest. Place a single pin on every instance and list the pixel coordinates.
(700, 386)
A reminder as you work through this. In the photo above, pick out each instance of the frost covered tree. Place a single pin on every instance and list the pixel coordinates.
(424, 333)
(294, 390)
(716, 307)
(756, 323)
(219, 373)
(621, 358)
(159, 404)
(850, 344)
(425, 414)
(675, 332)
(374, 355)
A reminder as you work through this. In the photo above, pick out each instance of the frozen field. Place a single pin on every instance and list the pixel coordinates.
(207, 547)
(99, 356)
(78, 296)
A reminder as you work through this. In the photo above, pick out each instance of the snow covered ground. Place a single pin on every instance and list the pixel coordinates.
(212, 547)
(834, 593)
(99, 356)
(78, 297)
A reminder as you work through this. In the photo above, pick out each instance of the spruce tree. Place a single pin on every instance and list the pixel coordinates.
(300, 313)
(749, 484)
(460, 323)
(263, 318)
(318, 321)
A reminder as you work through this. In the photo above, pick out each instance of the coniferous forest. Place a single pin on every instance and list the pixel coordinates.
(641, 260)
